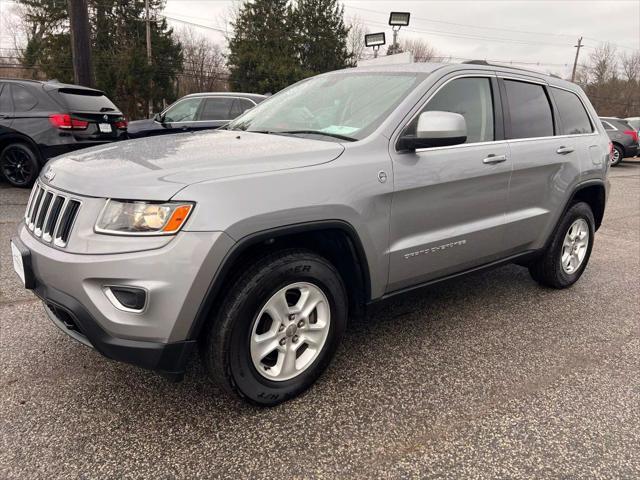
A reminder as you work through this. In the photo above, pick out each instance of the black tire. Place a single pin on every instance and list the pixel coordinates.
(19, 165)
(226, 350)
(620, 153)
(547, 269)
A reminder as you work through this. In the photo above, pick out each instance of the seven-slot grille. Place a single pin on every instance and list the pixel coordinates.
(50, 215)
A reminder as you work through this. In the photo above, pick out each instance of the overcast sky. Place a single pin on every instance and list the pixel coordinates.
(520, 31)
(535, 31)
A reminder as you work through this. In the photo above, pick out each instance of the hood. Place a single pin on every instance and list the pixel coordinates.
(156, 168)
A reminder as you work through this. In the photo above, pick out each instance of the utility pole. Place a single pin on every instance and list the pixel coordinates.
(146, 7)
(575, 62)
(80, 42)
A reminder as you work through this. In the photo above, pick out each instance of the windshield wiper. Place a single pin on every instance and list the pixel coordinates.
(317, 132)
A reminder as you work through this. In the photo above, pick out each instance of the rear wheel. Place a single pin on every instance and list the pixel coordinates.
(278, 328)
(19, 165)
(617, 156)
(566, 257)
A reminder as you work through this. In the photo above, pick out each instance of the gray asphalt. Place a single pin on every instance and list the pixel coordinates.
(490, 376)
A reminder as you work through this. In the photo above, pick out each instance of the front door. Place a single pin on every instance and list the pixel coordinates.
(449, 203)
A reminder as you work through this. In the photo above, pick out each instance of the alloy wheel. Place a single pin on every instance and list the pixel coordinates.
(17, 166)
(290, 331)
(575, 245)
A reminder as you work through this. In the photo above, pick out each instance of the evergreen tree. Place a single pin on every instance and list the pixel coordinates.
(262, 55)
(321, 36)
(118, 50)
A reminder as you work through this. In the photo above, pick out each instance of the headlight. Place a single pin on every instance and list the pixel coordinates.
(142, 218)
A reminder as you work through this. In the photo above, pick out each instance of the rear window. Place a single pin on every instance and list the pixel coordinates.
(529, 109)
(573, 117)
(86, 101)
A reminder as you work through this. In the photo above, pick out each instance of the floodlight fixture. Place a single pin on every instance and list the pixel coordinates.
(374, 39)
(399, 19)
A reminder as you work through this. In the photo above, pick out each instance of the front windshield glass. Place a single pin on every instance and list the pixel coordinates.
(348, 105)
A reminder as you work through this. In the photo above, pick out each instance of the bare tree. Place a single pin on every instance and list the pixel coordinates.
(421, 50)
(204, 64)
(603, 63)
(630, 63)
(355, 40)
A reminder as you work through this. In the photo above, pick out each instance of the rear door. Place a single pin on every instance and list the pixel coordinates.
(96, 118)
(29, 112)
(449, 203)
(545, 164)
(6, 106)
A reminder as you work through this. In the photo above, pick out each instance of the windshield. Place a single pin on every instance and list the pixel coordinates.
(347, 106)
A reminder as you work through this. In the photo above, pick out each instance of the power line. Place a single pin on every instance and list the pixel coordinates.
(492, 28)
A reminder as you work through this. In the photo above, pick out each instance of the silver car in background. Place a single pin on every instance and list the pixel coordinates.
(256, 243)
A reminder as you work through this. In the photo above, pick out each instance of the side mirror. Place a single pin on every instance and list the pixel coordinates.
(158, 118)
(436, 129)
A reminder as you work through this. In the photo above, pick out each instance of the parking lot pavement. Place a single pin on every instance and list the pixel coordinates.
(487, 376)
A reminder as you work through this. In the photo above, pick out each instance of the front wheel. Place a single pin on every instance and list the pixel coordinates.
(566, 257)
(278, 328)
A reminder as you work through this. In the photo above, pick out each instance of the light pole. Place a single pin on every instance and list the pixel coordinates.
(397, 20)
(374, 40)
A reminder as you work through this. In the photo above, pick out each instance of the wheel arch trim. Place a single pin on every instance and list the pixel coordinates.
(244, 243)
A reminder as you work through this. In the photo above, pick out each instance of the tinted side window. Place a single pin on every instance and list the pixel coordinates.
(5, 100)
(240, 105)
(183, 111)
(573, 116)
(217, 109)
(529, 109)
(607, 125)
(471, 98)
(23, 100)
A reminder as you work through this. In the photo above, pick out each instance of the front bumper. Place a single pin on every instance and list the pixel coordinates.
(175, 276)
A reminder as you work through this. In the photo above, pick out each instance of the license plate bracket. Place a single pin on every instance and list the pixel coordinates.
(22, 263)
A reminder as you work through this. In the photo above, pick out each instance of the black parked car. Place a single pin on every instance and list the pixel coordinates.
(39, 120)
(623, 136)
(197, 111)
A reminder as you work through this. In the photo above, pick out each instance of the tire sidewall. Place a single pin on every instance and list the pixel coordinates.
(577, 211)
(32, 157)
(247, 379)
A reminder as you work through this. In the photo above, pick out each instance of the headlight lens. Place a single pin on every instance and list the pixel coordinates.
(142, 218)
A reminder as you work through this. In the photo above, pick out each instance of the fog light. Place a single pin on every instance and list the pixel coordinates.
(127, 298)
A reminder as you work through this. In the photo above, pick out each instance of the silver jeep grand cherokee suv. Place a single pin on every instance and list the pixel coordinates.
(255, 243)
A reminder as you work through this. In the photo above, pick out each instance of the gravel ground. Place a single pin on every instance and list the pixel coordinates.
(488, 376)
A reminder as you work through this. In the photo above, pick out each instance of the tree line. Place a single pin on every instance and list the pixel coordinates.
(272, 44)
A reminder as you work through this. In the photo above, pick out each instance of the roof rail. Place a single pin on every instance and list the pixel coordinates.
(484, 62)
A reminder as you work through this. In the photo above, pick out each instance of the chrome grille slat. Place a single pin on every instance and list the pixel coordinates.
(51, 214)
(36, 208)
(43, 211)
(68, 217)
(27, 212)
(52, 217)
(54, 234)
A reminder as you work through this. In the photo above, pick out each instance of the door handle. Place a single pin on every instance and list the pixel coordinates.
(564, 150)
(491, 159)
